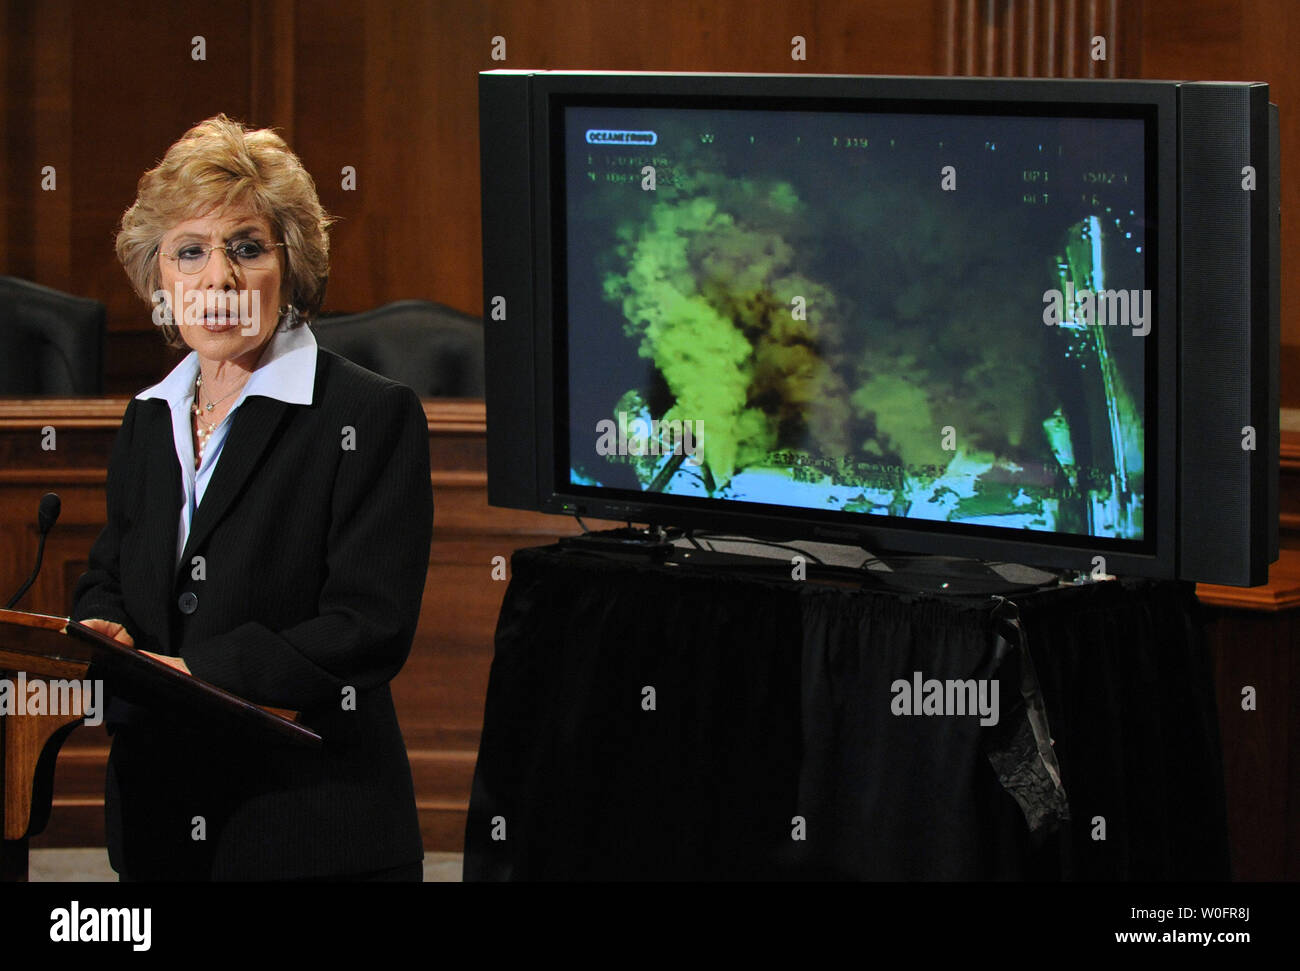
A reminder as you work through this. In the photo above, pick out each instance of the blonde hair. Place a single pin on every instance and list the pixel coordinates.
(219, 164)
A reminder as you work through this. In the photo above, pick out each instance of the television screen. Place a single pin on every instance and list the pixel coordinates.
(922, 315)
(1029, 320)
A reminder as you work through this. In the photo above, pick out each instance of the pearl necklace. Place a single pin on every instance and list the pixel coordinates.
(202, 432)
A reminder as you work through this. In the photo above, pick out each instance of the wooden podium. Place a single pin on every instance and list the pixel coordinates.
(39, 648)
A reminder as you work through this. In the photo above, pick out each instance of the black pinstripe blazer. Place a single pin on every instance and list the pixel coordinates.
(314, 562)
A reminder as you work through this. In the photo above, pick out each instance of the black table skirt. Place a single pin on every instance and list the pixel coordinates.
(772, 750)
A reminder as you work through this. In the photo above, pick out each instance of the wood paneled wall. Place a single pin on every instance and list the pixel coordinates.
(1042, 38)
(389, 86)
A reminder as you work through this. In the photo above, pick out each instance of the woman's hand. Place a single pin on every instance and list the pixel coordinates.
(174, 662)
(111, 630)
(118, 633)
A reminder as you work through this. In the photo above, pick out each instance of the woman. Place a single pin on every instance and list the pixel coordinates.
(269, 521)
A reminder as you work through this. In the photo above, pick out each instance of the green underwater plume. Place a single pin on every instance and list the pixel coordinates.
(711, 293)
(704, 359)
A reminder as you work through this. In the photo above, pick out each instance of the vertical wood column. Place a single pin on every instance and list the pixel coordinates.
(1041, 38)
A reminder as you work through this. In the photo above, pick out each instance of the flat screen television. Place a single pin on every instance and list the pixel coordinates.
(1016, 320)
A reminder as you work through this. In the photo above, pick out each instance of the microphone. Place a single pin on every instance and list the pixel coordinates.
(46, 517)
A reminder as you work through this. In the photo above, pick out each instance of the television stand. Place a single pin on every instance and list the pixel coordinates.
(775, 699)
(824, 562)
(959, 576)
(625, 539)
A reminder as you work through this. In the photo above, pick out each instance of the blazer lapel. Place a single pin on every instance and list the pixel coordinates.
(163, 498)
(254, 424)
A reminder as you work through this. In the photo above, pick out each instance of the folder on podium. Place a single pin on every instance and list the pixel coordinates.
(41, 648)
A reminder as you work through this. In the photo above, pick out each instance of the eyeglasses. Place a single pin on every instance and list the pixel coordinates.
(247, 254)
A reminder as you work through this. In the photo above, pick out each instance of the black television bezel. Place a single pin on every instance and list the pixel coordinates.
(550, 91)
(518, 111)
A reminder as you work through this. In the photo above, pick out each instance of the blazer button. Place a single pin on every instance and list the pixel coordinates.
(189, 602)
